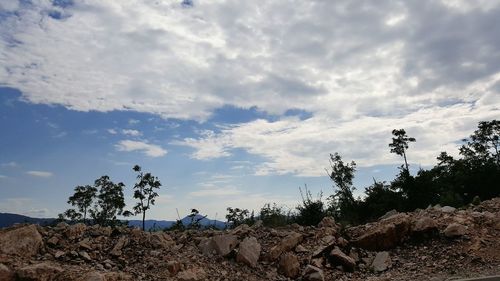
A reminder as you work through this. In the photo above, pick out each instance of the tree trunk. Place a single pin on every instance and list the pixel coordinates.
(143, 219)
(406, 163)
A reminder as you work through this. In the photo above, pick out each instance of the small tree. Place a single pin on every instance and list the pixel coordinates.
(82, 199)
(312, 211)
(145, 192)
(342, 174)
(110, 202)
(484, 144)
(236, 216)
(195, 219)
(274, 215)
(399, 145)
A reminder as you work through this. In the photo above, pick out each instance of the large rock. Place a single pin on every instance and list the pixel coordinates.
(224, 244)
(447, 209)
(39, 272)
(338, 257)
(120, 244)
(385, 235)
(455, 230)
(6, 274)
(249, 251)
(289, 265)
(313, 273)
(206, 246)
(287, 244)
(381, 262)
(160, 240)
(327, 222)
(24, 241)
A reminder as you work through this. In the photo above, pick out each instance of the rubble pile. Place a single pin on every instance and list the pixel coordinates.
(432, 244)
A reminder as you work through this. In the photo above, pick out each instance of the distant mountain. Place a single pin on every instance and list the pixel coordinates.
(7, 219)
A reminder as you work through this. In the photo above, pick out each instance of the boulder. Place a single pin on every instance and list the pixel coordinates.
(249, 251)
(120, 244)
(289, 265)
(389, 214)
(424, 225)
(224, 244)
(6, 274)
(287, 244)
(75, 231)
(206, 246)
(447, 209)
(455, 230)
(39, 272)
(313, 273)
(381, 262)
(160, 240)
(385, 235)
(339, 258)
(24, 241)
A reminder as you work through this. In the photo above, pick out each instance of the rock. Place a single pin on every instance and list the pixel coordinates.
(6, 274)
(84, 255)
(224, 244)
(59, 254)
(192, 274)
(206, 246)
(313, 273)
(39, 272)
(381, 262)
(75, 231)
(173, 267)
(249, 251)
(117, 249)
(53, 241)
(118, 276)
(455, 230)
(23, 241)
(97, 230)
(241, 230)
(327, 222)
(424, 225)
(385, 235)
(389, 214)
(447, 209)
(258, 224)
(287, 244)
(161, 240)
(289, 265)
(338, 257)
(301, 249)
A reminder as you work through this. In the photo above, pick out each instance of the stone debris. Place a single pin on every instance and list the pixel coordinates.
(402, 246)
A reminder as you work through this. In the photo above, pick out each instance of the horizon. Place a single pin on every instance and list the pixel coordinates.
(233, 104)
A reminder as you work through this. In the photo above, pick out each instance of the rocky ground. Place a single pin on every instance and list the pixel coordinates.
(439, 243)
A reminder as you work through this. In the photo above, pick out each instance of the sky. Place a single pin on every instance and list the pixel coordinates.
(234, 103)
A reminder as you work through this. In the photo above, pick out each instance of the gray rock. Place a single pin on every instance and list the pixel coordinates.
(224, 244)
(249, 252)
(455, 230)
(313, 273)
(381, 262)
(447, 209)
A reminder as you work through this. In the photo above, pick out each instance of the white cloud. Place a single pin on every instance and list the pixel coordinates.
(151, 150)
(24, 206)
(11, 164)
(41, 174)
(112, 131)
(216, 192)
(133, 121)
(133, 133)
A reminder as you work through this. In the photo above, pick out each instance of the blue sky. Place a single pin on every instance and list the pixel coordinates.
(233, 103)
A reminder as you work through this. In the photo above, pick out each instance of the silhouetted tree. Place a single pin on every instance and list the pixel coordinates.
(484, 144)
(82, 199)
(145, 192)
(236, 216)
(311, 211)
(110, 202)
(273, 215)
(342, 201)
(399, 144)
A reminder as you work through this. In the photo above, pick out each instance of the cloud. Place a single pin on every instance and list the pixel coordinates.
(133, 133)
(41, 174)
(216, 192)
(3, 177)
(112, 131)
(24, 206)
(148, 149)
(11, 164)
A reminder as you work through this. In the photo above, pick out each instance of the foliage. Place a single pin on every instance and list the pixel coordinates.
(195, 219)
(380, 198)
(144, 191)
(399, 144)
(311, 211)
(236, 216)
(342, 202)
(82, 199)
(274, 215)
(110, 202)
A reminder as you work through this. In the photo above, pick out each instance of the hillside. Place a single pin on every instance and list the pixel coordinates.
(433, 244)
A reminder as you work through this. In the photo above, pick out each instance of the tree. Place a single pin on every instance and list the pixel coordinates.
(273, 215)
(399, 145)
(145, 192)
(236, 216)
(484, 144)
(342, 174)
(311, 211)
(82, 199)
(110, 202)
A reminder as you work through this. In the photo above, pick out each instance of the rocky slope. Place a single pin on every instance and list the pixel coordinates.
(438, 243)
